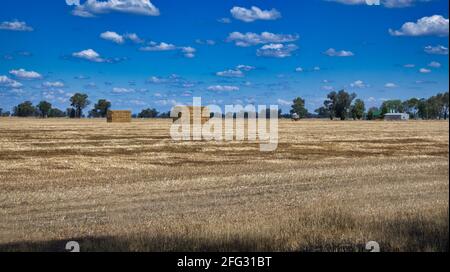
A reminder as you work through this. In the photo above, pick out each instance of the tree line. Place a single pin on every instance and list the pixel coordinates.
(78, 103)
(338, 105)
(343, 105)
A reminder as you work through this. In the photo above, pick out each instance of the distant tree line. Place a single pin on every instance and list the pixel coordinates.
(338, 105)
(343, 105)
(78, 103)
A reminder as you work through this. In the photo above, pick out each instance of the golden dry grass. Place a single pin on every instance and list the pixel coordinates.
(330, 186)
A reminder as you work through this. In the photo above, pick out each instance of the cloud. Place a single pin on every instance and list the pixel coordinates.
(358, 84)
(276, 50)
(91, 7)
(299, 69)
(54, 84)
(254, 13)
(15, 26)
(424, 70)
(9, 83)
(250, 38)
(224, 20)
(122, 90)
(159, 47)
(436, 50)
(333, 53)
(188, 52)
(133, 37)
(230, 73)
(283, 102)
(434, 64)
(435, 25)
(173, 80)
(112, 36)
(89, 54)
(238, 71)
(385, 3)
(205, 42)
(409, 65)
(73, 2)
(23, 74)
(220, 88)
(390, 85)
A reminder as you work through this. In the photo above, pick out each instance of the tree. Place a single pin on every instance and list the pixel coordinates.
(445, 99)
(1, 111)
(148, 113)
(56, 113)
(79, 101)
(298, 107)
(25, 109)
(411, 106)
(339, 104)
(373, 113)
(44, 108)
(101, 108)
(6, 114)
(358, 109)
(322, 112)
(70, 112)
(391, 105)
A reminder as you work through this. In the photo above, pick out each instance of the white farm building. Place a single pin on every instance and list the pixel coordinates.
(396, 116)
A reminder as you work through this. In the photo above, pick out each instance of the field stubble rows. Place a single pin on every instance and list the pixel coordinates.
(329, 185)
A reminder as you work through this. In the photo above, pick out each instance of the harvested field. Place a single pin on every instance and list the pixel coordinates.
(330, 186)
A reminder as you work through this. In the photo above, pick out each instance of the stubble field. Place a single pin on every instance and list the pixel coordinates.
(330, 186)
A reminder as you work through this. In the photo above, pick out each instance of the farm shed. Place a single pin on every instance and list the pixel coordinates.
(202, 111)
(396, 116)
(118, 116)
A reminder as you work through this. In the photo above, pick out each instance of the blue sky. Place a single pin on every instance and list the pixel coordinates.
(141, 53)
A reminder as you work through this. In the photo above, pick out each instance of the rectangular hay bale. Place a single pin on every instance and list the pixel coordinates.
(118, 116)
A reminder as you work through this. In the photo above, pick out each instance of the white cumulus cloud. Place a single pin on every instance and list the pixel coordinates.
(334, 53)
(9, 83)
(435, 25)
(434, 64)
(89, 54)
(276, 50)
(24, 74)
(250, 38)
(91, 7)
(436, 50)
(254, 13)
(223, 88)
(112, 36)
(15, 26)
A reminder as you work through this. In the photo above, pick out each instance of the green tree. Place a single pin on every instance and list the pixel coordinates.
(44, 108)
(358, 109)
(25, 109)
(79, 101)
(323, 112)
(70, 112)
(100, 108)
(411, 106)
(339, 104)
(373, 113)
(298, 107)
(56, 113)
(148, 113)
(391, 105)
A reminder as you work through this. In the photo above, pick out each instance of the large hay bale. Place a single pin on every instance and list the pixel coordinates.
(118, 116)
